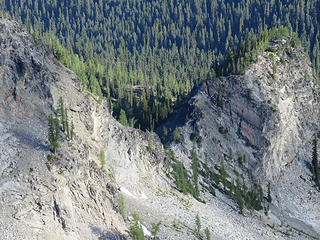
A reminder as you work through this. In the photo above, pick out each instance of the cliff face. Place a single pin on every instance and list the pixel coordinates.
(271, 110)
(67, 197)
(267, 121)
(260, 123)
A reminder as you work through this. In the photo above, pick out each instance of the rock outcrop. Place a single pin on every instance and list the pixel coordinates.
(260, 123)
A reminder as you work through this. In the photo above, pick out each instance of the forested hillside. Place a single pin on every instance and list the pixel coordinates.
(146, 56)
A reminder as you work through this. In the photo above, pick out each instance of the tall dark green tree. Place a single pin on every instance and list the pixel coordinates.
(53, 133)
(207, 233)
(195, 172)
(181, 180)
(155, 229)
(239, 196)
(123, 118)
(198, 225)
(176, 136)
(315, 161)
(72, 131)
(269, 198)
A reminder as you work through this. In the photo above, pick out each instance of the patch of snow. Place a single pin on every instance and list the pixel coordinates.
(146, 232)
(127, 192)
(143, 195)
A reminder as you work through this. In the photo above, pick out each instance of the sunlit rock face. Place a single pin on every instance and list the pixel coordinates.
(260, 123)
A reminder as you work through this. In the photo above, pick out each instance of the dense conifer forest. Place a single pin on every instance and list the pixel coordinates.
(146, 56)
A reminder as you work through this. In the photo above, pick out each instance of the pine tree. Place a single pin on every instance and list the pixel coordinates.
(181, 181)
(155, 229)
(165, 134)
(122, 206)
(123, 118)
(136, 231)
(269, 198)
(195, 171)
(238, 196)
(53, 133)
(266, 208)
(176, 136)
(132, 122)
(198, 225)
(72, 131)
(223, 174)
(103, 160)
(315, 162)
(207, 233)
(149, 147)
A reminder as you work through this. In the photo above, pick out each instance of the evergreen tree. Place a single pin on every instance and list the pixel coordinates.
(207, 233)
(165, 134)
(269, 198)
(135, 231)
(155, 229)
(122, 206)
(149, 147)
(72, 131)
(238, 196)
(53, 133)
(103, 160)
(132, 122)
(315, 161)
(123, 118)
(181, 181)
(195, 171)
(198, 225)
(223, 175)
(176, 136)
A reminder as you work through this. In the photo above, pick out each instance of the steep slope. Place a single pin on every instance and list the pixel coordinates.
(260, 123)
(69, 196)
(61, 198)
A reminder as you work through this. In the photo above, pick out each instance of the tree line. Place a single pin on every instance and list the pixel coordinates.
(146, 56)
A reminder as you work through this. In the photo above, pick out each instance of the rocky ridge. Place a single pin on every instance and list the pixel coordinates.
(260, 123)
(69, 196)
